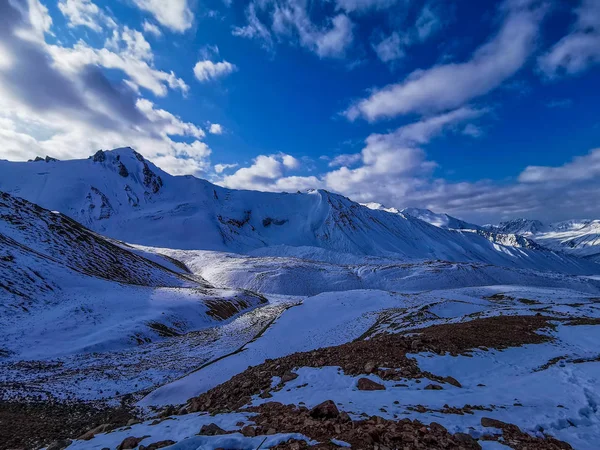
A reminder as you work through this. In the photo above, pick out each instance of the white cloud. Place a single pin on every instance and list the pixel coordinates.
(150, 28)
(428, 22)
(581, 168)
(578, 50)
(390, 48)
(140, 72)
(215, 128)
(220, 168)
(173, 14)
(450, 86)
(347, 159)
(131, 44)
(290, 162)
(290, 19)
(85, 13)
(208, 70)
(363, 5)
(254, 29)
(267, 174)
(57, 100)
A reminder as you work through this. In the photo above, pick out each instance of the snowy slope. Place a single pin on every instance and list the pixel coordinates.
(65, 289)
(576, 237)
(524, 227)
(440, 220)
(123, 196)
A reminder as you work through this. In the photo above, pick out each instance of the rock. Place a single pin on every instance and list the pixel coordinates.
(370, 367)
(452, 381)
(325, 410)
(130, 442)
(248, 431)
(364, 384)
(59, 445)
(131, 422)
(159, 444)
(463, 438)
(433, 387)
(289, 376)
(99, 429)
(488, 422)
(271, 431)
(211, 430)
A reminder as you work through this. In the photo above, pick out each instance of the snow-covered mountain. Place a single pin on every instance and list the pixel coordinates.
(577, 237)
(524, 227)
(120, 194)
(239, 299)
(440, 220)
(64, 288)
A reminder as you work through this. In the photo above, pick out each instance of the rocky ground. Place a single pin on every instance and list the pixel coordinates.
(273, 404)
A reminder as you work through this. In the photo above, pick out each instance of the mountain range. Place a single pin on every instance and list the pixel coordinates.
(122, 195)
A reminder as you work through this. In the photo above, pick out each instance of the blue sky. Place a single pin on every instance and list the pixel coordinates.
(485, 110)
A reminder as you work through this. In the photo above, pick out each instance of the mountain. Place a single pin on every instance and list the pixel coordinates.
(120, 194)
(440, 220)
(65, 289)
(518, 226)
(576, 237)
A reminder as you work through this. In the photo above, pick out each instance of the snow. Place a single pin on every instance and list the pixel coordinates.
(134, 207)
(320, 321)
(128, 305)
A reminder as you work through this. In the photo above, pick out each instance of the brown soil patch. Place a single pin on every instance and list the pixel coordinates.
(492, 332)
(370, 356)
(27, 425)
(370, 433)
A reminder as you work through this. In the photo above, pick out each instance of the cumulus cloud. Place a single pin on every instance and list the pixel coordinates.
(220, 168)
(56, 100)
(290, 20)
(85, 13)
(448, 86)
(173, 14)
(269, 173)
(215, 128)
(578, 50)
(208, 70)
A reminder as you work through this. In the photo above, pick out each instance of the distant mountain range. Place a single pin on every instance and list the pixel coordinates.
(122, 195)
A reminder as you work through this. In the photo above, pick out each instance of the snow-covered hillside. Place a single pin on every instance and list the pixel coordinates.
(65, 289)
(576, 237)
(440, 220)
(121, 195)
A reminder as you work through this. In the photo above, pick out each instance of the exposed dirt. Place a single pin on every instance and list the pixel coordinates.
(370, 433)
(369, 356)
(29, 425)
(493, 332)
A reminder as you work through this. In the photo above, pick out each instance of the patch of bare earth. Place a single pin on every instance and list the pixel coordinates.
(27, 425)
(386, 357)
(382, 355)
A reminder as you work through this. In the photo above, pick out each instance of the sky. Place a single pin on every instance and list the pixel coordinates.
(484, 110)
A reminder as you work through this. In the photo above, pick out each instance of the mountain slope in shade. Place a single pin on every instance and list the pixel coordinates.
(121, 195)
